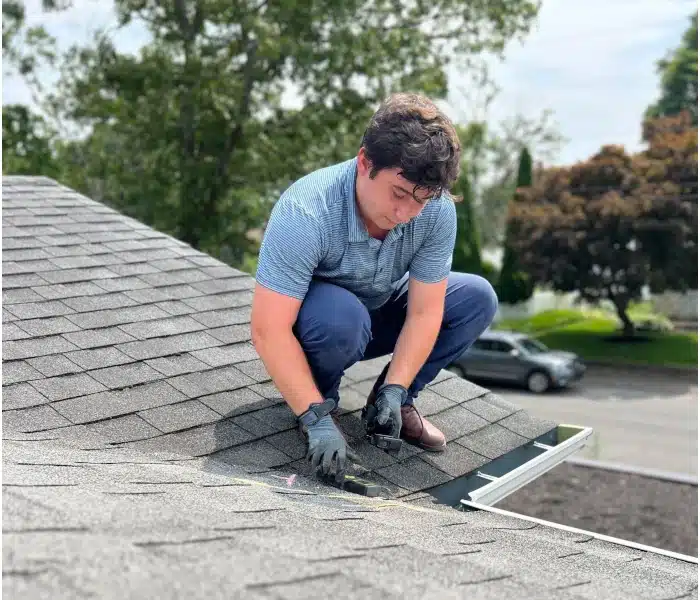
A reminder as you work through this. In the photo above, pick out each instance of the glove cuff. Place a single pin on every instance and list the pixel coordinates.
(395, 388)
(315, 413)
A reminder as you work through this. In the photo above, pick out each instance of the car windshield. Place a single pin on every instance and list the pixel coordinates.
(532, 346)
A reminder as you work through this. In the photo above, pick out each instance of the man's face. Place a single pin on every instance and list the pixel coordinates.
(388, 200)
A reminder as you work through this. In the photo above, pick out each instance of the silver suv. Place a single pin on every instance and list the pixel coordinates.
(509, 357)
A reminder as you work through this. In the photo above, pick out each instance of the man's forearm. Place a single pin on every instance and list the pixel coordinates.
(286, 363)
(415, 343)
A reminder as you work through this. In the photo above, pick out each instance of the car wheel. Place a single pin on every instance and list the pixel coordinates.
(538, 382)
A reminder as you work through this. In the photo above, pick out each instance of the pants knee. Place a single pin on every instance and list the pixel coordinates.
(340, 326)
(475, 302)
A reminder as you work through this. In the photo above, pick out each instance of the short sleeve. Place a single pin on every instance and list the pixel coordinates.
(290, 250)
(433, 261)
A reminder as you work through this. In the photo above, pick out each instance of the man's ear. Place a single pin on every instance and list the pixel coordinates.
(363, 164)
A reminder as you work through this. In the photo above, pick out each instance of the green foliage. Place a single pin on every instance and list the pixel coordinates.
(26, 143)
(514, 284)
(467, 253)
(611, 225)
(191, 135)
(679, 78)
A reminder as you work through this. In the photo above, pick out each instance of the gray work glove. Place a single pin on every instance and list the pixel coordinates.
(390, 397)
(325, 444)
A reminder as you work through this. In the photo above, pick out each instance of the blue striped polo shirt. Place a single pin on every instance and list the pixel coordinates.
(315, 232)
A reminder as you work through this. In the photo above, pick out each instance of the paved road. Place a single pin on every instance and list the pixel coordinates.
(641, 419)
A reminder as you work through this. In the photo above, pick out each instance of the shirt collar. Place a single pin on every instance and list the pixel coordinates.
(357, 231)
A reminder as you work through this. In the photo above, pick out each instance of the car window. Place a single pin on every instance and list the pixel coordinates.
(500, 346)
(532, 346)
(481, 345)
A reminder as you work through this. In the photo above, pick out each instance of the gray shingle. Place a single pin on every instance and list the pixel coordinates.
(72, 275)
(125, 375)
(61, 291)
(219, 301)
(492, 441)
(53, 365)
(255, 369)
(257, 454)
(11, 332)
(216, 286)
(179, 416)
(457, 421)
(236, 402)
(486, 408)
(231, 334)
(279, 417)
(178, 364)
(176, 344)
(199, 441)
(21, 395)
(226, 355)
(291, 442)
(458, 389)
(456, 460)
(114, 403)
(68, 386)
(98, 358)
(219, 318)
(74, 262)
(7, 317)
(254, 426)
(117, 316)
(527, 425)
(99, 302)
(162, 327)
(162, 279)
(132, 269)
(121, 284)
(17, 371)
(18, 255)
(122, 429)
(175, 307)
(47, 326)
(210, 382)
(36, 347)
(20, 281)
(95, 338)
(20, 295)
(428, 403)
(36, 418)
(35, 310)
(26, 266)
(414, 474)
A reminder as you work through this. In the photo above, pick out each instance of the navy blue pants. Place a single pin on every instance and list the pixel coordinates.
(336, 330)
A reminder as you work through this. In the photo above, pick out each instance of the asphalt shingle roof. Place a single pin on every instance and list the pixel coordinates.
(147, 453)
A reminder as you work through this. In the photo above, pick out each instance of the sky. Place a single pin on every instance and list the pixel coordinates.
(591, 63)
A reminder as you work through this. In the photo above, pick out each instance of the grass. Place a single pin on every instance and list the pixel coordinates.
(588, 334)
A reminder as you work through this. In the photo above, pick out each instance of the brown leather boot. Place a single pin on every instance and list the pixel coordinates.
(415, 429)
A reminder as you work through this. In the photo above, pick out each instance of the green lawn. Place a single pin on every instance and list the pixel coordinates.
(585, 333)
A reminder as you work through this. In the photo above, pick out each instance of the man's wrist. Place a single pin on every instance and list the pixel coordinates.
(315, 412)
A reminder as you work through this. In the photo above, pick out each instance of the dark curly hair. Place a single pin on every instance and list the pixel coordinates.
(409, 132)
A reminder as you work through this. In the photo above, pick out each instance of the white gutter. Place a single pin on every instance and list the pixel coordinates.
(599, 536)
(571, 438)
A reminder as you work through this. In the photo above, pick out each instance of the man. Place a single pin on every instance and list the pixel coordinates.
(355, 264)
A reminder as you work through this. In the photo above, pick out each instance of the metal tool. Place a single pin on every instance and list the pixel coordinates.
(379, 435)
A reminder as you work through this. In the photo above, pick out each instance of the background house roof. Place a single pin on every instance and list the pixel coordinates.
(142, 434)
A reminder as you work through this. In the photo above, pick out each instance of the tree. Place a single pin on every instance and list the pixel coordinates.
(679, 78)
(198, 117)
(608, 226)
(515, 285)
(26, 143)
(466, 257)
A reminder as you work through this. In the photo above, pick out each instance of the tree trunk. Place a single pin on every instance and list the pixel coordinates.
(621, 305)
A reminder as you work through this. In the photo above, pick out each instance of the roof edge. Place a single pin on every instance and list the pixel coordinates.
(600, 536)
